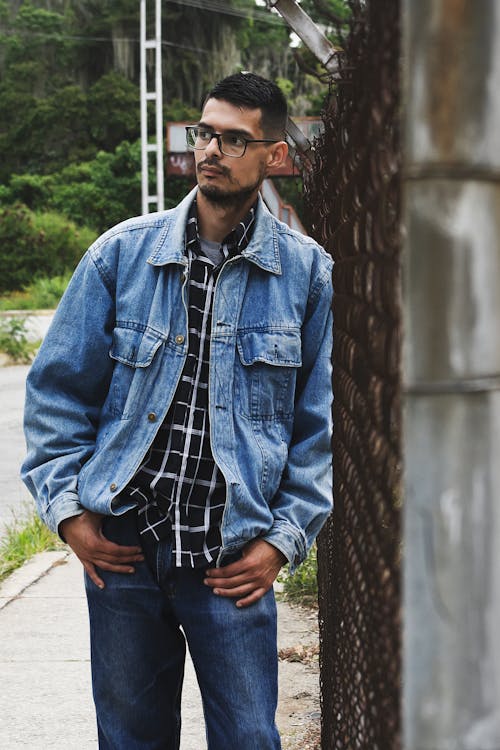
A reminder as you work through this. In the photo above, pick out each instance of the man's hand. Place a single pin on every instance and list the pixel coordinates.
(84, 535)
(249, 577)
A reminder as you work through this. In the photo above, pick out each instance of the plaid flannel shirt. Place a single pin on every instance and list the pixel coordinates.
(179, 490)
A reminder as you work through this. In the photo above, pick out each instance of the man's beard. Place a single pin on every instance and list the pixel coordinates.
(226, 198)
(230, 198)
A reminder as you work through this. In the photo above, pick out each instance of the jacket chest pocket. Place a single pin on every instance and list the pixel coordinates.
(266, 370)
(133, 350)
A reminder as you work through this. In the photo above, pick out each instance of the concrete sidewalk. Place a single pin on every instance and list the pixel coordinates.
(45, 692)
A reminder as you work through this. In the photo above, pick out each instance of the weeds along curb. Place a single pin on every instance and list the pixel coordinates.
(30, 572)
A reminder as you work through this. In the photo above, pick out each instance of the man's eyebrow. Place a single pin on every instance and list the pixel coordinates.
(231, 131)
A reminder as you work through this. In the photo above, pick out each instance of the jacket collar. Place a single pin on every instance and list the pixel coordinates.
(262, 249)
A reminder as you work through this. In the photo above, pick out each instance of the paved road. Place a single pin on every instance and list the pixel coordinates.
(15, 499)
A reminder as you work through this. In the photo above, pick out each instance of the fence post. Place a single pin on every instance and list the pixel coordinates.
(452, 375)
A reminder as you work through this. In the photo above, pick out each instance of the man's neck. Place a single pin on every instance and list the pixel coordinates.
(215, 222)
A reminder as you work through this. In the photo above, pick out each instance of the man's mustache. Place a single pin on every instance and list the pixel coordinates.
(212, 162)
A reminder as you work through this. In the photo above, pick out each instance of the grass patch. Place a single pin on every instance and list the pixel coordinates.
(14, 341)
(302, 587)
(42, 294)
(22, 540)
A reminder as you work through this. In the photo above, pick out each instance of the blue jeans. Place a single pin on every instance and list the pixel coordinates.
(138, 651)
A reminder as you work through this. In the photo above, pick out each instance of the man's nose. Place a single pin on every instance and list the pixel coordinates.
(213, 148)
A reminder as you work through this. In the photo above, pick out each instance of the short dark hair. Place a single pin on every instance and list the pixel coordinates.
(251, 91)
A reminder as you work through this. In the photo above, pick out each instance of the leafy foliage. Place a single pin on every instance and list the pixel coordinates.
(42, 294)
(302, 586)
(14, 340)
(98, 193)
(33, 245)
(46, 133)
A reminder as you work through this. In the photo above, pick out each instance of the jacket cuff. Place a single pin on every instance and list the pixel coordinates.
(290, 541)
(66, 506)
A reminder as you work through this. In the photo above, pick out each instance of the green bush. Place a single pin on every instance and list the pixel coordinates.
(32, 190)
(34, 245)
(43, 294)
(302, 586)
(20, 247)
(14, 341)
(64, 243)
(97, 193)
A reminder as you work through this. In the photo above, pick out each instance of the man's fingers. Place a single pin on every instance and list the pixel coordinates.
(91, 566)
(92, 574)
(229, 571)
(114, 567)
(116, 552)
(251, 599)
(249, 578)
(228, 583)
(85, 536)
(235, 591)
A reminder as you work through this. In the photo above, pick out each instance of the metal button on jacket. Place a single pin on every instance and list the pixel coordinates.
(152, 416)
(112, 487)
(179, 339)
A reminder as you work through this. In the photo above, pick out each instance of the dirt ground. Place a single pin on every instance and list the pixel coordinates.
(298, 716)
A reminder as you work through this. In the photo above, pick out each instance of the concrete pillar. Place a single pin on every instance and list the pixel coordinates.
(451, 364)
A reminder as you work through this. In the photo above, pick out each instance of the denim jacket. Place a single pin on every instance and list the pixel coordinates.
(108, 368)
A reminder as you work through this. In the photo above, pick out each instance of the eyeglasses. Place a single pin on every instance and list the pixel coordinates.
(229, 144)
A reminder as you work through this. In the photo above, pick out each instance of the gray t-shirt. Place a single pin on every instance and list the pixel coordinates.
(212, 250)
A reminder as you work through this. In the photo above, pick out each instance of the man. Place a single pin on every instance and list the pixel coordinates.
(178, 429)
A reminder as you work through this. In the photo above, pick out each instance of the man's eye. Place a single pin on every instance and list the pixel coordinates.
(205, 135)
(234, 140)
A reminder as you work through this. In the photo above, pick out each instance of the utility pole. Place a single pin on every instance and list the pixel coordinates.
(155, 96)
(451, 685)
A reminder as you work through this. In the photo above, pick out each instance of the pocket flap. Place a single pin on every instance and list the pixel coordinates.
(133, 347)
(281, 347)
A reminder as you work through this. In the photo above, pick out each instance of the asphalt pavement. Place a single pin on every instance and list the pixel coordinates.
(15, 500)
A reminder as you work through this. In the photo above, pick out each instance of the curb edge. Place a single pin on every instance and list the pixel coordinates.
(29, 573)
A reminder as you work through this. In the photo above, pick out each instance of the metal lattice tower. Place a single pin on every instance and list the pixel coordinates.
(151, 64)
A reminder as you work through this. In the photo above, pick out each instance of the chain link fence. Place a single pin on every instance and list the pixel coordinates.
(353, 204)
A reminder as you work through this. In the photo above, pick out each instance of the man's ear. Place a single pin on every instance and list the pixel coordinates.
(277, 154)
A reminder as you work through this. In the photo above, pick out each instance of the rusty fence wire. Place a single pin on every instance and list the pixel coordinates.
(353, 203)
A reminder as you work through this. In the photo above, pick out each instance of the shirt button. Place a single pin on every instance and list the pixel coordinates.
(112, 487)
(179, 339)
(152, 416)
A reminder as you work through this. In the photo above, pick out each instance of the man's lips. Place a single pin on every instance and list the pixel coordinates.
(210, 170)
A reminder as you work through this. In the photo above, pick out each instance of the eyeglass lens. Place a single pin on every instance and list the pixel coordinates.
(229, 144)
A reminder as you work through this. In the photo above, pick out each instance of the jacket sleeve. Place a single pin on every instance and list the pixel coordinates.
(305, 496)
(66, 388)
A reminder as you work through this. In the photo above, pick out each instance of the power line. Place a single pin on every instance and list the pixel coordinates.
(107, 40)
(219, 7)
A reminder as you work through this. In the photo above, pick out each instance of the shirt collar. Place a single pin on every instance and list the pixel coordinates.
(233, 243)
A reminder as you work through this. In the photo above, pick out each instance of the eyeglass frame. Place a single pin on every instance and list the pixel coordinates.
(219, 144)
